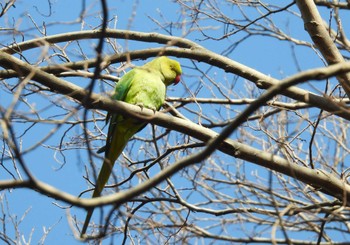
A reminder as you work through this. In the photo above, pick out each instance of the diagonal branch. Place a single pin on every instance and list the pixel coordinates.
(183, 48)
(326, 182)
(313, 24)
(203, 55)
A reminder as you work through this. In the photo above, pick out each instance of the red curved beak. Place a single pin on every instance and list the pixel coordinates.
(177, 79)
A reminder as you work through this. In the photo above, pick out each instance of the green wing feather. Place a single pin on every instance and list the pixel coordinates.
(114, 141)
(144, 86)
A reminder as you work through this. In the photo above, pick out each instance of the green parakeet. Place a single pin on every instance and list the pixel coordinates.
(144, 86)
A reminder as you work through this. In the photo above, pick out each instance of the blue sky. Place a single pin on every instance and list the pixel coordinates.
(267, 55)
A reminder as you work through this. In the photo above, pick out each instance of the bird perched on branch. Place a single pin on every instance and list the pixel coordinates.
(144, 86)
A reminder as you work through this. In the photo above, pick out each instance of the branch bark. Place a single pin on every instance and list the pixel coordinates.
(326, 182)
(186, 49)
(313, 24)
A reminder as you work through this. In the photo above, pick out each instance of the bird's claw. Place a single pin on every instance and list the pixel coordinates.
(151, 108)
(140, 105)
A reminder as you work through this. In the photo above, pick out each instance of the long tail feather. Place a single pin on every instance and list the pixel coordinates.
(119, 140)
(102, 179)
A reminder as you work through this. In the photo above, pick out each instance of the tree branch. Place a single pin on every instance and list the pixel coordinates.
(327, 182)
(318, 32)
(188, 50)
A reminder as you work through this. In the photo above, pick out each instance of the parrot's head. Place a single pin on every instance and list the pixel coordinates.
(170, 69)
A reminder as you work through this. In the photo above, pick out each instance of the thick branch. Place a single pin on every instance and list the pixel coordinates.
(328, 183)
(318, 32)
(261, 80)
(91, 34)
(188, 49)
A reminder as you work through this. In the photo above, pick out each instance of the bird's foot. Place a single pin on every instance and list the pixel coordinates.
(140, 105)
(153, 109)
